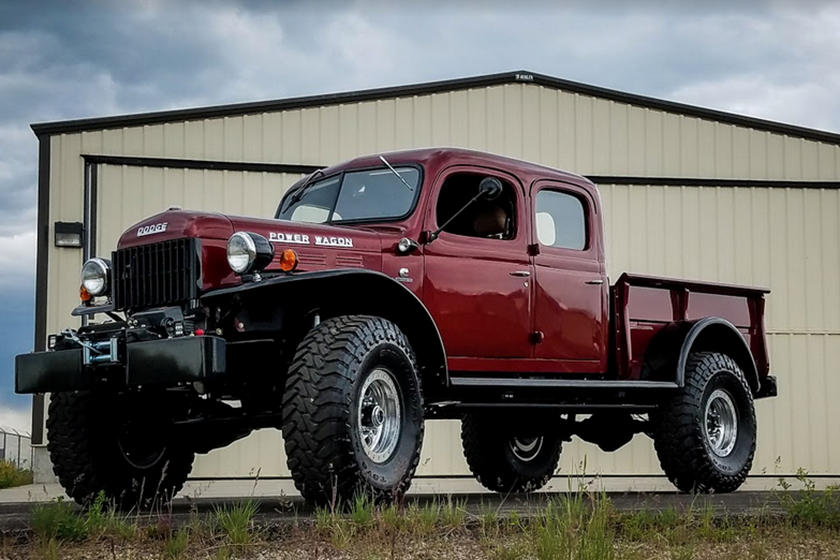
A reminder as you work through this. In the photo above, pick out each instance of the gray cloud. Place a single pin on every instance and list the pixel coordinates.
(67, 60)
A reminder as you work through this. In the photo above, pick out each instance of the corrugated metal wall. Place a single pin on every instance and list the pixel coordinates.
(784, 238)
(128, 194)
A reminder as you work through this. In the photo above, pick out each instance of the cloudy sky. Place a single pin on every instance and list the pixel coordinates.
(67, 60)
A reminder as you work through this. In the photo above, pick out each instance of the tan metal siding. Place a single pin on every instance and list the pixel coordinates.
(66, 205)
(127, 194)
(783, 238)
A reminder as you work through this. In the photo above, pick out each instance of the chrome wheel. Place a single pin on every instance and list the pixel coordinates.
(379, 417)
(526, 449)
(721, 423)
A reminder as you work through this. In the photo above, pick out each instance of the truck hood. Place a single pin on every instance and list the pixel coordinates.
(174, 224)
(318, 246)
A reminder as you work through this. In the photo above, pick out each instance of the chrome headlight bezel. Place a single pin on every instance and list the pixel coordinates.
(96, 276)
(248, 252)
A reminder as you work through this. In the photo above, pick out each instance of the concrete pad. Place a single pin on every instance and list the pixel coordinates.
(198, 489)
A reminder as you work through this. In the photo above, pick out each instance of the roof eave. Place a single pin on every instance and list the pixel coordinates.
(521, 76)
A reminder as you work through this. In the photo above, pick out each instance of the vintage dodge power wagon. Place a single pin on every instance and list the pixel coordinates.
(391, 289)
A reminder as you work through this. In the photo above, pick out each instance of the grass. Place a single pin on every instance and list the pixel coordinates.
(807, 506)
(577, 525)
(572, 528)
(101, 519)
(11, 475)
(58, 521)
(175, 545)
(236, 522)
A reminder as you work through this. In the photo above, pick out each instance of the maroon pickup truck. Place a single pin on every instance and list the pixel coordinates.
(438, 283)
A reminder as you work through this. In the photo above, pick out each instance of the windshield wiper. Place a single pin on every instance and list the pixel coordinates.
(298, 194)
(394, 171)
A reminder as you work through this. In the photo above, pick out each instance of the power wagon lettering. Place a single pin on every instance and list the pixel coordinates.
(303, 239)
(296, 238)
(333, 241)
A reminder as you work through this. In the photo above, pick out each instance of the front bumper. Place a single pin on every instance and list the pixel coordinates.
(164, 362)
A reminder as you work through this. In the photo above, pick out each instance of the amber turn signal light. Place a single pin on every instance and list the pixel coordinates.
(84, 295)
(288, 260)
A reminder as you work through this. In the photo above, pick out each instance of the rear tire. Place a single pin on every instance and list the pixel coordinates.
(506, 458)
(117, 445)
(705, 435)
(353, 411)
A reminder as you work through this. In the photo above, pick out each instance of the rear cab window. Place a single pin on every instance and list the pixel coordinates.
(560, 220)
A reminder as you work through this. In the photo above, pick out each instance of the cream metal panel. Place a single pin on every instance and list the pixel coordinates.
(128, 194)
(66, 205)
(781, 238)
(588, 135)
(262, 454)
(784, 238)
(585, 134)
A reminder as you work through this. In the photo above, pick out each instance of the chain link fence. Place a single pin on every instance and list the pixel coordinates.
(16, 448)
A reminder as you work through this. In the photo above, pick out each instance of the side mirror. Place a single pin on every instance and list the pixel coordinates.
(490, 188)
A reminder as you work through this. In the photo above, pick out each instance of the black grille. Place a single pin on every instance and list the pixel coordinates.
(157, 274)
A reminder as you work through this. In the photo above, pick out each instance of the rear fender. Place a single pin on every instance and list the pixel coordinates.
(667, 355)
(344, 292)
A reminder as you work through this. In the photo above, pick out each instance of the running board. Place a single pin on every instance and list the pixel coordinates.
(586, 384)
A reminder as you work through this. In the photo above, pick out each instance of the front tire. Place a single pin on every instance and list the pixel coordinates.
(705, 435)
(118, 445)
(353, 411)
(506, 458)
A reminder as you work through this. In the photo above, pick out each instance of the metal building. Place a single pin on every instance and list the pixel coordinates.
(687, 191)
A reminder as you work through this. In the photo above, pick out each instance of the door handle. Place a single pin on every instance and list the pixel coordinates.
(521, 273)
(595, 282)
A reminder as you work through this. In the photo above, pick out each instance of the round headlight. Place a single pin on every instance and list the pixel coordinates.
(96, 274)
(248, 252)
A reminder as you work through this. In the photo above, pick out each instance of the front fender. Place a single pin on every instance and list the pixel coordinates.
(349, 291)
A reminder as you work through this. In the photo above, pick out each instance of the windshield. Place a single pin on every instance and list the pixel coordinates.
(370, 195)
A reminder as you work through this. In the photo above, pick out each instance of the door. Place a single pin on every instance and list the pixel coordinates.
(570, 296)
(477, 272)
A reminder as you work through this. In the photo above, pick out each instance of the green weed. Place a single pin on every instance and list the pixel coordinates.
(391, 518)
(423, 518)
(571, 528)
(175, 545)
(236, 521)
(488, 523)
(809, 507)
(58, 520)
(48, 549)
(102, 518)
(361, 511)
(453, 513)
(11, 476)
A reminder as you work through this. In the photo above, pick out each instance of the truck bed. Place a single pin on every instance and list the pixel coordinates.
(643, 305)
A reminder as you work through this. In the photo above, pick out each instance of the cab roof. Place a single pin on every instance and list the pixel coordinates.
(436, 159)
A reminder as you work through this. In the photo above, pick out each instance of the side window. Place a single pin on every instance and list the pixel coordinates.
(489, 219)
(560, 220)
